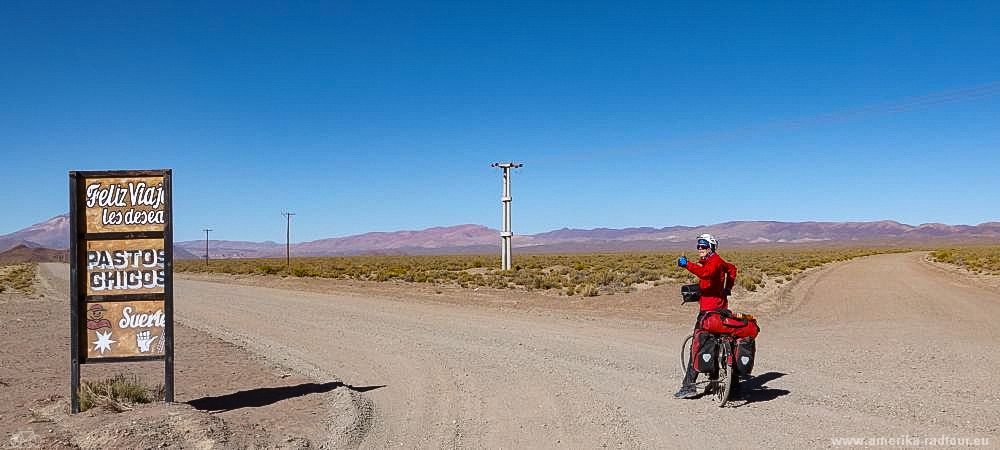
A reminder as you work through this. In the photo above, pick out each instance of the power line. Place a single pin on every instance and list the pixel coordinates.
(206, 230)
(288, 238)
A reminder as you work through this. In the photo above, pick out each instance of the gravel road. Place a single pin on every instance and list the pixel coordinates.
(883, 346)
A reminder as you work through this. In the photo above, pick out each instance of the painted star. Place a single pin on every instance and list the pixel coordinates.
(103, 342)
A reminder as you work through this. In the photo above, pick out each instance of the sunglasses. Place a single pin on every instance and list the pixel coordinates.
(703, 247)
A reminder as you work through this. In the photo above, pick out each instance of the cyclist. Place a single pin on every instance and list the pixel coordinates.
(716, 278)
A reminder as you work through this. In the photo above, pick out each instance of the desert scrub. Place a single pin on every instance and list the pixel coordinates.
(118, 393)
(19, 278)
(749, 279)
(589, 290)
(568, 274)
(981, 260)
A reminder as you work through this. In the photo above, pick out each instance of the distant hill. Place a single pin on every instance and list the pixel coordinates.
(52, 233)
(43, 241)
(180, 253)
(480, 239)
(431, 238)
(23, 253)
(470, 238)
(224, 249)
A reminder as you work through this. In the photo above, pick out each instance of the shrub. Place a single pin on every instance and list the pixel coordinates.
(589, 290)
(118, 393)
(749, 280)
(18, 278)
(300, 271)
(268, 270)
(983, 260)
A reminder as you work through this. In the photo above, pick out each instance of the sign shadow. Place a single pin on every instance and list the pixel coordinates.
(255, 398)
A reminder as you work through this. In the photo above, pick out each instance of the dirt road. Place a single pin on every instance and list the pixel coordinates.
(884, 346)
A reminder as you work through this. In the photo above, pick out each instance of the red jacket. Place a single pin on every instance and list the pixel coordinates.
(716, 276)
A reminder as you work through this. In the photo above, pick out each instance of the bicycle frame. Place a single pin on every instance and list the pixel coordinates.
(725, 365)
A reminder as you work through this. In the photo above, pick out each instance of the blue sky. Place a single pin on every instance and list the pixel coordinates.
(364, 117)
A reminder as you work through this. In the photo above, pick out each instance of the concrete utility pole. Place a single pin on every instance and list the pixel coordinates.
(505, 232)
(288, 238)
(206, 230)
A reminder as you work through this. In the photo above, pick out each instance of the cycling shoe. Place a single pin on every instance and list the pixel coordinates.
(686, 392)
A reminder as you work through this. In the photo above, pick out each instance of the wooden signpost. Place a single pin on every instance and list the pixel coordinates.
(121, 271)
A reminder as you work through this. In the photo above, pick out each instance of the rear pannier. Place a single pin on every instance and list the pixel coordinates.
(746, 353)
(703, 351)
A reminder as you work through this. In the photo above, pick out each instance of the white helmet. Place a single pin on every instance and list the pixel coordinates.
(711, 240)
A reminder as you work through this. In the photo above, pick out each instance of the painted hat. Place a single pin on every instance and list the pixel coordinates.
(96, 307)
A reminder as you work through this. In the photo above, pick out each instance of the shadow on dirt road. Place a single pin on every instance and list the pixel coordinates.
(755, 389)
(253, 398)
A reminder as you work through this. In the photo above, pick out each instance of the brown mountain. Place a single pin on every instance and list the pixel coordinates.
(23, 253)
(224, 249)
(52, 233)
(431, 238)
(42, 241)
(761, 232)
(480, 239)
(180, 253)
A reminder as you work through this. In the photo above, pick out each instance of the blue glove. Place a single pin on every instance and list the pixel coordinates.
(682, 261)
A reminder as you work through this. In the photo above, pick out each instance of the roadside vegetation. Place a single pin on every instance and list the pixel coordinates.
(567, 274)
(18, 278)
(979, 260)
(118, 393)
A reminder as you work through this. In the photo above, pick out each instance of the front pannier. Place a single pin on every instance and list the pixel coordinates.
(703, 351)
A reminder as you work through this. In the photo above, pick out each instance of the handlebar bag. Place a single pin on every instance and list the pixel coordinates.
(690, 293)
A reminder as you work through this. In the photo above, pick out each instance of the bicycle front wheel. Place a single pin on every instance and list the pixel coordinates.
(727, 374)
(686, 353)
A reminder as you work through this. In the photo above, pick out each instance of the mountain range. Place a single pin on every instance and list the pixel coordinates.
(54, 234)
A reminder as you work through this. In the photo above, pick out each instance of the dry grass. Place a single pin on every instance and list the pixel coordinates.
(18, 278)
(567, 274)
(118, 393)
(980, 260)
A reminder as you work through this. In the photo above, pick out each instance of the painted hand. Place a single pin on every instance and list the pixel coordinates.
(144, 339)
